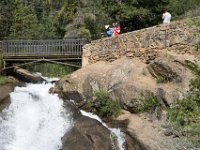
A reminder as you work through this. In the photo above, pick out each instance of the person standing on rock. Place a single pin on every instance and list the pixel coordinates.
(166, 17)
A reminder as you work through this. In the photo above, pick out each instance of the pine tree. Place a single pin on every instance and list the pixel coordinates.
(6, 7)
(25, 23)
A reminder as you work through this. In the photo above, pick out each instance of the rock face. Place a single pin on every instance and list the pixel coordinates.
(153, 59)
(126, 79)
(150, 132)
(5, 91)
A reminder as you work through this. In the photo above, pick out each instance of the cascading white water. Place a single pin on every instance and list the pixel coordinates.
(35, 120)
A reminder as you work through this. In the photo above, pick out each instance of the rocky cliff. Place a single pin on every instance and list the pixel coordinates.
(150, 60)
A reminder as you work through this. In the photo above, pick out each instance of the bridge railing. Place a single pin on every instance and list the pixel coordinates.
(43, 47)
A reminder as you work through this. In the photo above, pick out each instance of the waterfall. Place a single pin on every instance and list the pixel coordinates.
(35, 120)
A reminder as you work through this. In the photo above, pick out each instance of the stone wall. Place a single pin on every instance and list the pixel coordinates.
(178, 36)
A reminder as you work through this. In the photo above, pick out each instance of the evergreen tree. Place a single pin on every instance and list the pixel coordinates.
(42, 19)
(25, 22)
(180, 7)
(6, 7)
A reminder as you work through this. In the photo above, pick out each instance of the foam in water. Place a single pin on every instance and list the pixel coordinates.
(35, 120)
(115, 131)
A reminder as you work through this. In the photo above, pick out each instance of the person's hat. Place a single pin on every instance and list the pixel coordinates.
(106, 26)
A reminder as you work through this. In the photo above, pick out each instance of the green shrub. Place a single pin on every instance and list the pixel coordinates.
(104, 106)
(197, 46)
(192, 66)
(183, 112)
(4, 79)
(162, 79)
(197, 36)
(184, 115)
(196, 22)
(85, 33)
(50, 70)
(149, 103)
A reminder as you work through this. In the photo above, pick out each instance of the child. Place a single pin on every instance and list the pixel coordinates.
(108, 31)
(116, 29)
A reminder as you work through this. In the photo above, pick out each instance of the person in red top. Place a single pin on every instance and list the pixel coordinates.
(116, 29)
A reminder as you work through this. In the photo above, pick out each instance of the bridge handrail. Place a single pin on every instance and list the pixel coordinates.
(69, 46)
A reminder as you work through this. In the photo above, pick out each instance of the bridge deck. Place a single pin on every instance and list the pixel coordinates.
(46, 49)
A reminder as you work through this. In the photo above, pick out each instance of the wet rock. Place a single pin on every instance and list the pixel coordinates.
(73, 109)
(72, 95)
(5, 91)
(4, 103)
(87, 134)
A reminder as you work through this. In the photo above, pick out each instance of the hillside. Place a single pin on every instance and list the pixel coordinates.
(49, 19)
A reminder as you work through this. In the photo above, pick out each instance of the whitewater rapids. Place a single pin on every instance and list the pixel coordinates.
(35, 120)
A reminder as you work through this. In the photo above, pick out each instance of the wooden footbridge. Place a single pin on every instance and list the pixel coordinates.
(60, 51)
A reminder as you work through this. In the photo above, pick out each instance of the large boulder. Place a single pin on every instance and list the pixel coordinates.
(126, 80)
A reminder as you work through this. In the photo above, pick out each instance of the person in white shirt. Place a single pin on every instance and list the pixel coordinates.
(166, 17)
